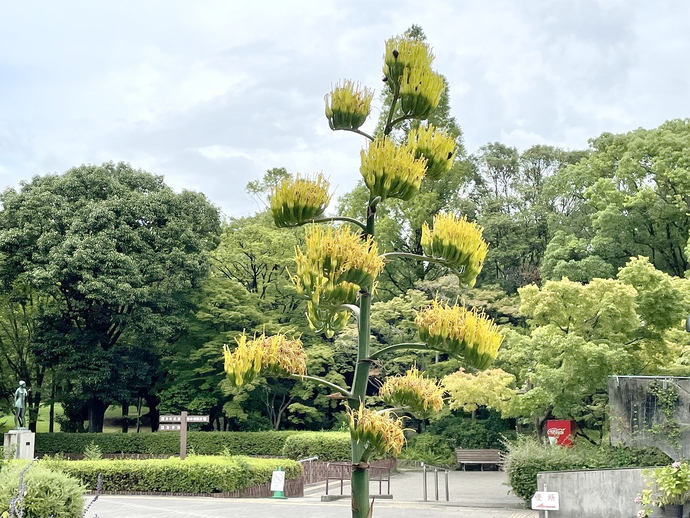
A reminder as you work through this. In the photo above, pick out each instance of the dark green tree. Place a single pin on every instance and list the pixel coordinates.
(117, 252)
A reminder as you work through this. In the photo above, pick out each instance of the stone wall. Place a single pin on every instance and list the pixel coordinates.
(637, 420)
(607, 493)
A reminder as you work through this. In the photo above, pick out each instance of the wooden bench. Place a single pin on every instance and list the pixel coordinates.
(468, 456)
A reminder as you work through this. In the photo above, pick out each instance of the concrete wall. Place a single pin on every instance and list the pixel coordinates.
(608, 493)
(633, 411)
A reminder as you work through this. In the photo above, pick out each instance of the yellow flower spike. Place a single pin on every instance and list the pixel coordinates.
(434, 145)
(456, 243)
(348, 105)
(421, 395)
(420, 92)
(460, 332)
(391, 171)
(378, 431)
(334, 264)
(263, 356)
(402, 53)
(298, 200)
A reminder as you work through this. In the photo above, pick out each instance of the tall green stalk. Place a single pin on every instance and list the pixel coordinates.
(359, 481)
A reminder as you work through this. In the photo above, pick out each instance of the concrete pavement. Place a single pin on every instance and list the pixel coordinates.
(473, 494)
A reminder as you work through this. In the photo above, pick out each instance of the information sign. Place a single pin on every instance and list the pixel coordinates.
(545, 501)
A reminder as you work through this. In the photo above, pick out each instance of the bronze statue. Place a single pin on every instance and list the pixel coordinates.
(20, 406)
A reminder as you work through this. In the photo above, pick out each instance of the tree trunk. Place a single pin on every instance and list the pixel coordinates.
(125, 417)
(154, 415)
(97, 410)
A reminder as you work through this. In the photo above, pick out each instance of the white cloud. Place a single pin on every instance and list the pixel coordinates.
(211, 94)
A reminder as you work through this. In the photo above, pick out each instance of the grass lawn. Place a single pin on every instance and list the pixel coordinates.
(112, 422)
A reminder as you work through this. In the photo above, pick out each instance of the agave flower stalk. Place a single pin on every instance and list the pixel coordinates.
(336, 270)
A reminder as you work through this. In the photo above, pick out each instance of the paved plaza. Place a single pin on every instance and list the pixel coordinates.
(473, 494)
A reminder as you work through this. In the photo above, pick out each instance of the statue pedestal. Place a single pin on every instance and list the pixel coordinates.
(22, 442)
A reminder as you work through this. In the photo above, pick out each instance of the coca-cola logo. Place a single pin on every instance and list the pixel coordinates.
(555, 432)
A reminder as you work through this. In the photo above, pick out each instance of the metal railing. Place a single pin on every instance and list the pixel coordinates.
(342, 471)
(425, 468)
(308, 471)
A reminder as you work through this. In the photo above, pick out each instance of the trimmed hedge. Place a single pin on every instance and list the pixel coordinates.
(526, 457)
(166, 443)
(195, 474)
(47, 492)
(328, 446)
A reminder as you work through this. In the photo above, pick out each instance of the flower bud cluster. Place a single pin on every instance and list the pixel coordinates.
(263, 356)
(297, 200)
(434, 145)
(407, 64)
(335, 263)
(348, 105)
(391, 171)
(460, 333)
(378, 432)
(420, 92)
(456, 243)
(414, 392)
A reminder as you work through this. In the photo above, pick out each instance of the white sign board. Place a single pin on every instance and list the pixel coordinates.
(278, 481)
(545, 501)
(170, 427)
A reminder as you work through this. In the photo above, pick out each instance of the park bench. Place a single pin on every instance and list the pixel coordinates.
(466, 456)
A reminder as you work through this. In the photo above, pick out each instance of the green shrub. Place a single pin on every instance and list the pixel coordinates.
(328, 446)
(195, 474)
(527, 457)
(165, 443)
(430, 449)
(48, 492)
(472, 433)
(93, 451)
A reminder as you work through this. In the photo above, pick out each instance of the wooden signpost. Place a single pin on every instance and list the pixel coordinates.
(169, 423)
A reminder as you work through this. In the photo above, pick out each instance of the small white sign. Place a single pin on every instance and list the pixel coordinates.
(545, 501)
(170, 427)
(278, 481)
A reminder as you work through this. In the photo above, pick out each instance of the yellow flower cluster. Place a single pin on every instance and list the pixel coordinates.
(460, 332)
(297, 200)
(335, 263)
(407, 63)
(434, 145)
(378, 432)
(456, 243)
(264, 356)
(420, 92)
(421, 395)
(391, 171)
(405, 53)
(348, 105)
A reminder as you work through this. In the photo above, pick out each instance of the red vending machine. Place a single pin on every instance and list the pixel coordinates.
(561, 432)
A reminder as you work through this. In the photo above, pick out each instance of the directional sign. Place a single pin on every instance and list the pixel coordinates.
(197, 419)
(545, 501)
(169, 427)
(178, 419)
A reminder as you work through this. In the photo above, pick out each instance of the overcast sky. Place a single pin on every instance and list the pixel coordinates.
(211, 94)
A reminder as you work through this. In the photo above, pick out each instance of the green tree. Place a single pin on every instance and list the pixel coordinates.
(116, 251)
